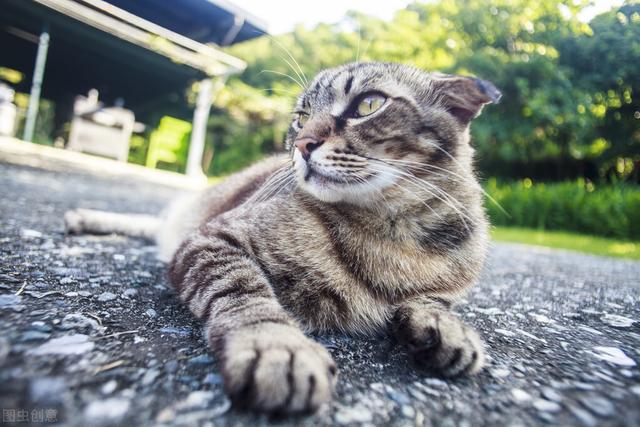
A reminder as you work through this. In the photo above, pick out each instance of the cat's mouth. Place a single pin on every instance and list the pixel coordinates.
(316, 175)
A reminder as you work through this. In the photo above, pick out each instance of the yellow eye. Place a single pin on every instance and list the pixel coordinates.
(302, 119)
(370, 104)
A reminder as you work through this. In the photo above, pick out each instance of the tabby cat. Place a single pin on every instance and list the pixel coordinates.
(372, 222)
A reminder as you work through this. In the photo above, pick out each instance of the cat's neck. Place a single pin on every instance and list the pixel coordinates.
(394, 221)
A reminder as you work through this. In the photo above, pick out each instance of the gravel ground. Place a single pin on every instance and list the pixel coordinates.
(90, 333)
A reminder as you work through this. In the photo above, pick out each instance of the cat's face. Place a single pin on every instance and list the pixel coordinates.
(363, 128)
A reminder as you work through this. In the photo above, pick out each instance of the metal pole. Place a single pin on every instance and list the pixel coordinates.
(199, 126)
(36, 84)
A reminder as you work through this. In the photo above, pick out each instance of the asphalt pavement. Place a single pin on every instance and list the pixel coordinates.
(91, 334)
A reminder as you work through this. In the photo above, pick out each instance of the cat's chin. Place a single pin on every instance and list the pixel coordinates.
(338, 192)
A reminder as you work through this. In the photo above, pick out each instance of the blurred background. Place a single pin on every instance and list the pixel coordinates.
(207, 85)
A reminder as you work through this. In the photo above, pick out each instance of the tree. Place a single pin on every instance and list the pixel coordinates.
(563, 113)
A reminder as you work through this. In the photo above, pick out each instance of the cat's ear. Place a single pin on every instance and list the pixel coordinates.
(464, 97)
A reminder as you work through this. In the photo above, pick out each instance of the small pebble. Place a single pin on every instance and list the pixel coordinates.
(500, 373)
(150, 376)
(66, 345)
(110, 410)
(196, 399)
(551, 394)
(213, 379)
(546, 406)
(48, 390)
(34, 336)
(617, 321)
(598, 405)
(106, 296)
(40, 326)
(614, 355)
(203, 359)
(129, 293)
(353, 415)
(408, 411)
(109, 387)
(520, 396)
(9, 300)
(79, 322)
(584, 417)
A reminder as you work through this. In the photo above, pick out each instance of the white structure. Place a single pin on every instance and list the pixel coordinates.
(7, 111)
(100, 130)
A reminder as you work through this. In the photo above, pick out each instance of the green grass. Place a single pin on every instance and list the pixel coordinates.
(567, 240)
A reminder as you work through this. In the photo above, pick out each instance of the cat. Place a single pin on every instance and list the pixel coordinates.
(372, 222)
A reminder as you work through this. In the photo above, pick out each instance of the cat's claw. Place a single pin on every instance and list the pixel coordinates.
(440, 342)
(275, 368)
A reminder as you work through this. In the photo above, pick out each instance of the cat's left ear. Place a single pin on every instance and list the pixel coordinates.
(464, 97)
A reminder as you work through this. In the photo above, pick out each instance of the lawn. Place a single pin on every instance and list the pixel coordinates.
(571, 241)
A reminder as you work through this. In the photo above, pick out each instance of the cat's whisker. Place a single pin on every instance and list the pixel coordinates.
(366, 182)
(466, 180)
(421, 182)
(448, 200)
(303, 77)
(458, 163)
(359, 40)
(270, 188)
(291, 179)
(431, 170)
(412, 176)
(275, 178)
(276, 89)
(367, 46)
(415, 196)
(301, 73)
(296, 81)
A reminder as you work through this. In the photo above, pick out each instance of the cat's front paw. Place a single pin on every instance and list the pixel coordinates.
(275, 368)
(439, 341)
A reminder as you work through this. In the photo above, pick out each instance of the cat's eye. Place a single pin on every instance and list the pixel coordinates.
(370, 104)
(302, 119)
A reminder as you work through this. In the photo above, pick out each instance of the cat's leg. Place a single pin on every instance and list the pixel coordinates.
(436, 338)
(267, 362)
(100, 222)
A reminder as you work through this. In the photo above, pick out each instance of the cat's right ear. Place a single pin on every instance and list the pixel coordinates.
(463, 96)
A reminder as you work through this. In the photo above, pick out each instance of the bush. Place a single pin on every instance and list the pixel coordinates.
(611, 210)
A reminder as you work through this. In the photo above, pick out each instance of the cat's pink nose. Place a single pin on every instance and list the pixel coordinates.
(306, 146)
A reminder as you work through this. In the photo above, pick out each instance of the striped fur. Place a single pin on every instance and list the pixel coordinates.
(380, 227)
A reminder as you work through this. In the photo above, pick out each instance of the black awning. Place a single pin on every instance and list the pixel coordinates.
(207, 21)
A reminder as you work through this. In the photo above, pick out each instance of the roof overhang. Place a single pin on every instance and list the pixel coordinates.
(130, 28)
(193, 18)
(97, 45)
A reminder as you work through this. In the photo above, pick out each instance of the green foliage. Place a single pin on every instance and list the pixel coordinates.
(570, 89)
(566, 240)
(606, 65)
(43, 130)
(244, 125)
(603, 210)
(138, 146)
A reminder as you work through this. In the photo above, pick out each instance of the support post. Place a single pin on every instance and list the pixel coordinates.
(199, 127)
(36, 84)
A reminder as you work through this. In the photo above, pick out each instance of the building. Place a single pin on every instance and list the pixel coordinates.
(144, 53)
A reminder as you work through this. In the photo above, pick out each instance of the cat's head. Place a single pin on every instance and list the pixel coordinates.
(363, 128)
